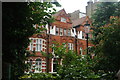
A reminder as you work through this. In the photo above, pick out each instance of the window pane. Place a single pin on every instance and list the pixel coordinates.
(61, 31)
(83, 36)
(57, 31)
(40, 41)
(63, 19)
(55, 65)
(40, 47)
(81, 50)
(31, 46)
(70, 46)
(69, 32)
(36, 47)
(64, 31)
(38, 65)
(36, 41)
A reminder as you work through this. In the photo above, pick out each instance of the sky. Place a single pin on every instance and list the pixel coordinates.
(72, 5)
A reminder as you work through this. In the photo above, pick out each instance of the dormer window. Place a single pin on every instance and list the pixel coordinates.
(63, 19)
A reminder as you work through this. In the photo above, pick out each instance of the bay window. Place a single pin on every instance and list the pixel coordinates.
(37, 44)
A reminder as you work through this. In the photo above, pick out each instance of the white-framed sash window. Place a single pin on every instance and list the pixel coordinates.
(70, 46)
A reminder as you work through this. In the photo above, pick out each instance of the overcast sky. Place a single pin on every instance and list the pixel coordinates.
(72, 5)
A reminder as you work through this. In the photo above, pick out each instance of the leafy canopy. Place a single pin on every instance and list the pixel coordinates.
(18, 20)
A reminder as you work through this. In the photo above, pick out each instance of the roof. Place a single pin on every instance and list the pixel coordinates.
(63, 13)
(74, 15)
(75, 22)
(59, 12)
(78, 21)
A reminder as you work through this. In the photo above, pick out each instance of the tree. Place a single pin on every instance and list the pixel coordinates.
(103, 12)
(73, 66)
(102, 15)
(106, 38)
(18, 20)
(107, 50)
(77, 67)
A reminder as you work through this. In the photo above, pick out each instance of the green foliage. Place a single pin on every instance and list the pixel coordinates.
(59, 50)
(39, 76)
(18, 20)
(73, 66)
(117, 10)
(42, 76)
(41, 13)
(104, 11)
(107, 44)
(77, 67)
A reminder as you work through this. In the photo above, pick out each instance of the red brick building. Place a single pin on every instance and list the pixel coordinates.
(63, 30)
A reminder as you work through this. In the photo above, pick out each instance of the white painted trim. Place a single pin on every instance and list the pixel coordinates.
(43, 68)
(81, 50)
(43, 61)
(61, 61)
(53, 72)
(52, 65)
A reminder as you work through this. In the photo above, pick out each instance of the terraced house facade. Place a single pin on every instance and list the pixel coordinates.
(63, 30)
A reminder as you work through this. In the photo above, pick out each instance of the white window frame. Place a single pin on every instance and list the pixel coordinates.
(38, 66)
(38, 45)
(61, 32)
(54, 63)
(81, 51)
(70, 46)
(31, 44)
(65, 32)
(57, 31)
(63, 19)
(69, 32)
(83, 35)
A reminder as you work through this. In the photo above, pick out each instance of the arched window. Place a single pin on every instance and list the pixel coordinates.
(38, 65)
